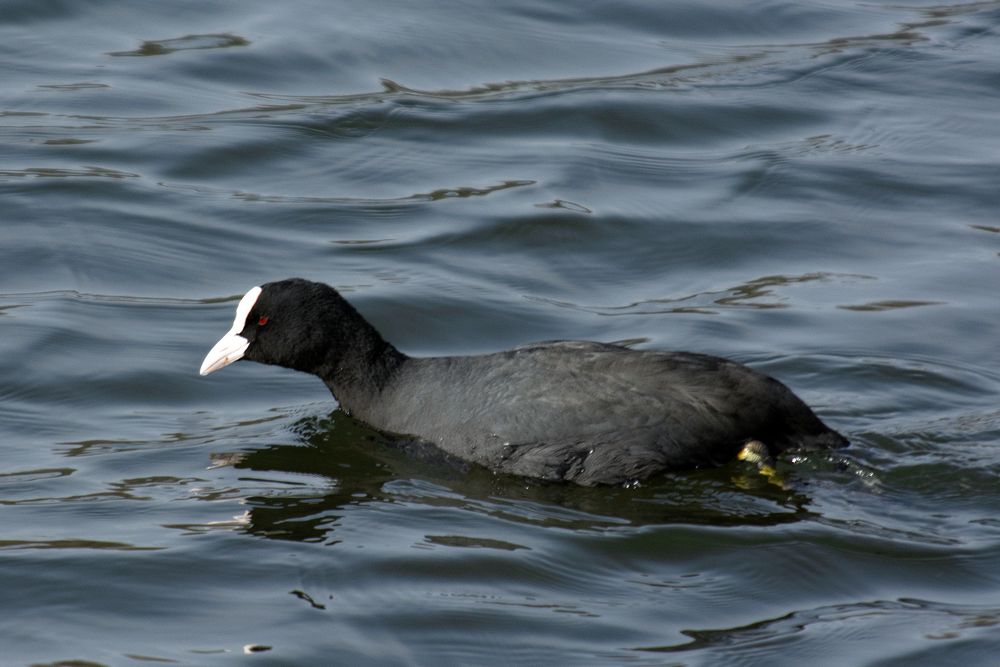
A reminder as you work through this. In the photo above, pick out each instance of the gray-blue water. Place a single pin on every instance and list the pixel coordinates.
(811, 188)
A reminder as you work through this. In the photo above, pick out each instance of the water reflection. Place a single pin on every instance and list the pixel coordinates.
(765, 292)
(162, 47)
(341, 463)
(937, 619)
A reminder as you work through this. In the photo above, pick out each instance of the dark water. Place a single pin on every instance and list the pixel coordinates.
(811, 188)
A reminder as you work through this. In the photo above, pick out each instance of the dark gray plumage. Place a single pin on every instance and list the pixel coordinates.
(589, 413)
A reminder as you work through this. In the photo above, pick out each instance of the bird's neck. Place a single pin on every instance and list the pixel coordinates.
(359, 371)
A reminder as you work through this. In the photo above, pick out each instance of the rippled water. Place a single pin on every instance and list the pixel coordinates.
(810, 188)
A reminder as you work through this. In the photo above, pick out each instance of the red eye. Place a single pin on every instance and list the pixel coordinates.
(262, 321)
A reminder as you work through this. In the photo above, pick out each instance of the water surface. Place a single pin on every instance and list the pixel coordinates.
(809, 188)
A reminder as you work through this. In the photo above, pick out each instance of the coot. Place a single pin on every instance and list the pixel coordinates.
(589, 413)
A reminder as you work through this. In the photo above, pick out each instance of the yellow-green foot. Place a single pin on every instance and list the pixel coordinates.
(756, 452)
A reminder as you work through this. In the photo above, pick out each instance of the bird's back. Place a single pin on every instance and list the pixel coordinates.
(592, 412)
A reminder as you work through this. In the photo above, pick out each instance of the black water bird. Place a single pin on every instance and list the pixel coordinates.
(584, 412)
